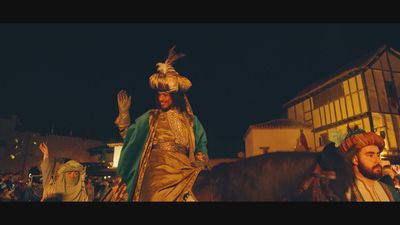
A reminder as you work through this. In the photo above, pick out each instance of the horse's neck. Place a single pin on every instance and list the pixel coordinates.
(273, 177)
(279, 176)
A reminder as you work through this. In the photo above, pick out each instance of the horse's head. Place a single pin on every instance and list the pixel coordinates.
(331, 178)
(334, 173)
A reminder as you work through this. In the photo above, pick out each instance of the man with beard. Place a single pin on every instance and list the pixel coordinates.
(362, 149)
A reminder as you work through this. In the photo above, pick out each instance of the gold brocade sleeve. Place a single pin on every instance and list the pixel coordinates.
(122, 122)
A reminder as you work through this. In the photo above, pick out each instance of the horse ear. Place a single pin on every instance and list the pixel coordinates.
(330, 148)
(329, 156)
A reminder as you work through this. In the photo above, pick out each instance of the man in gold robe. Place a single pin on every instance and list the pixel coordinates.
(166, 148)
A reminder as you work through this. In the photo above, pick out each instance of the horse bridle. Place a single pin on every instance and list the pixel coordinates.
(318, 178)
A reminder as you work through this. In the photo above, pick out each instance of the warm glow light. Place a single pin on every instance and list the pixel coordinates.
(13, 156)
(117, 153)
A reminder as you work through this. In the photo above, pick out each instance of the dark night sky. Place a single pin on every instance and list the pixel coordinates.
(69, 74)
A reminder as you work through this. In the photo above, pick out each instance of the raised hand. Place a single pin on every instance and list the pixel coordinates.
(124, 102)
(43, 148)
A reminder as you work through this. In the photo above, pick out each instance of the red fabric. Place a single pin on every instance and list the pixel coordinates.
(303, 141)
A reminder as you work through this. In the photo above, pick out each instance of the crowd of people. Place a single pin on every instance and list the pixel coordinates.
(15, 188)
(30, 189)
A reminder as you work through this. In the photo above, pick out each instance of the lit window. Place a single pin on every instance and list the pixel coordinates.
(337, 108)
(322, 112)
(346, 87)
(367, 126)
(316, 118)
(390, 131)
(332, 109)
(359, 82)
(363, 101)
(349, 106)
(356, 103)
(343, 107)
(327, 114)
(353, 86)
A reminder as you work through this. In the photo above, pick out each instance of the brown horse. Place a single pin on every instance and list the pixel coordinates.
(283, 176)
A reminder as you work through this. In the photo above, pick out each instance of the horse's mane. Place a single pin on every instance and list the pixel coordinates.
(269, 177)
